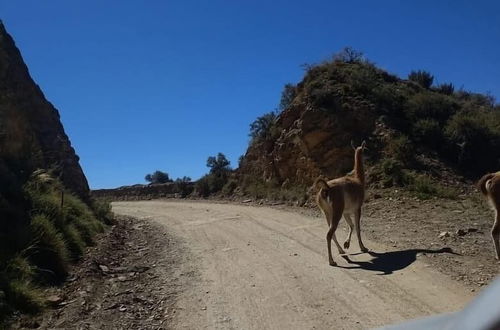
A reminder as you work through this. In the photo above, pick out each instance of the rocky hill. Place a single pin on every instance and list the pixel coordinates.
(31, 132)
(47, 217)
(411, 126)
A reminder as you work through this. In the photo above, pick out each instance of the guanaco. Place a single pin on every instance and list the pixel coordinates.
(489, 185)
(343, 196)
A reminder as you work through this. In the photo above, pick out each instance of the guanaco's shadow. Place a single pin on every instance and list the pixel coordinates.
(389, 262)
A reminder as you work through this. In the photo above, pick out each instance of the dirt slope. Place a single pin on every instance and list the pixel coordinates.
(262, 268)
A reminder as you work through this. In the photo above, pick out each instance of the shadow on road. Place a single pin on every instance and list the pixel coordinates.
(389, 262)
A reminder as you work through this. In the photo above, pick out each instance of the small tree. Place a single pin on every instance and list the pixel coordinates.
(219, 173)
(218, 164)
(349, 55)
(262, 126)
(421, 77)
(287, 96)
(446, 89)
(158, 177)
(184, 179)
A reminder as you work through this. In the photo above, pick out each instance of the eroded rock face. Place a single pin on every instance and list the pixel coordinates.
(312, 143)
(30, 125)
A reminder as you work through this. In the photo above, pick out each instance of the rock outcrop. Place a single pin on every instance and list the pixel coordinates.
(30, 127)
(312, 143)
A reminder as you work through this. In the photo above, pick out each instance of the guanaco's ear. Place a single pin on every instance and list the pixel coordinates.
(352, 145)
(363, 145)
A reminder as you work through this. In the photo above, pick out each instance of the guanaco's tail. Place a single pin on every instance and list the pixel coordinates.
(321, 184)
(481, 184)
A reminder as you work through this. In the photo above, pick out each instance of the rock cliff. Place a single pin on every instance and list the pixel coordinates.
(31, 132)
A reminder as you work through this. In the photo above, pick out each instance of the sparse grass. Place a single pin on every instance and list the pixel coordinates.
(425, 187)
(74, 240)
(390, 172)
(273, 191)
(19, 267)
(16, 289)
(24, 296)
(51, 255)
(402, 150)
(229, 187)
(102, 211)
(49, 237)
(79, 214)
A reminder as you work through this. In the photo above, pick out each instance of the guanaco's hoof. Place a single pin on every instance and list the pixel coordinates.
(341, 251)
(332, 263)
(364, 250)
(347, 244)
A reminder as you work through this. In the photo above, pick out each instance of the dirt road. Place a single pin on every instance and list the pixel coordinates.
(263, 268)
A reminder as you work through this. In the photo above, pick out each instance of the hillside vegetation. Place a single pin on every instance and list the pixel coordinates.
(410, 125)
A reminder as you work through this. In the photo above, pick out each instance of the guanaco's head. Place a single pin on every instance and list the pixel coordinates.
(360, 148)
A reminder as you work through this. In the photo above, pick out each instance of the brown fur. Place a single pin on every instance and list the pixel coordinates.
(489, 185)
(343, 196)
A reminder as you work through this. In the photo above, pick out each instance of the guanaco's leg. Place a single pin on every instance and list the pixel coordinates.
(348, 219)
(357, 219)
(495, 233)
(336, 216)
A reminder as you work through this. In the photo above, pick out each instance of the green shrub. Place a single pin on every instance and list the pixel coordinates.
(393, 173)
(296, 193)
(423, 78)
(214, 181)
(431, 106)
(478, 100)
(184, 186)
(446, 89)
(211, 183)
(158, 177)
(428, 131)
(425, 187)
(256, 189)
(102, 211)
(202, 186)
(401, 149)
(230, 187)
(474, 139)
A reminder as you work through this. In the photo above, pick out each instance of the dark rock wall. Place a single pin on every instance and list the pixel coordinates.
(30, 125)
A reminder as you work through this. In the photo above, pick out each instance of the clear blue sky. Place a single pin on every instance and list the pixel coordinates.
(146, 85)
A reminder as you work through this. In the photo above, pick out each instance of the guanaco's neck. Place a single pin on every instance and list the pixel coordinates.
(359, 170)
